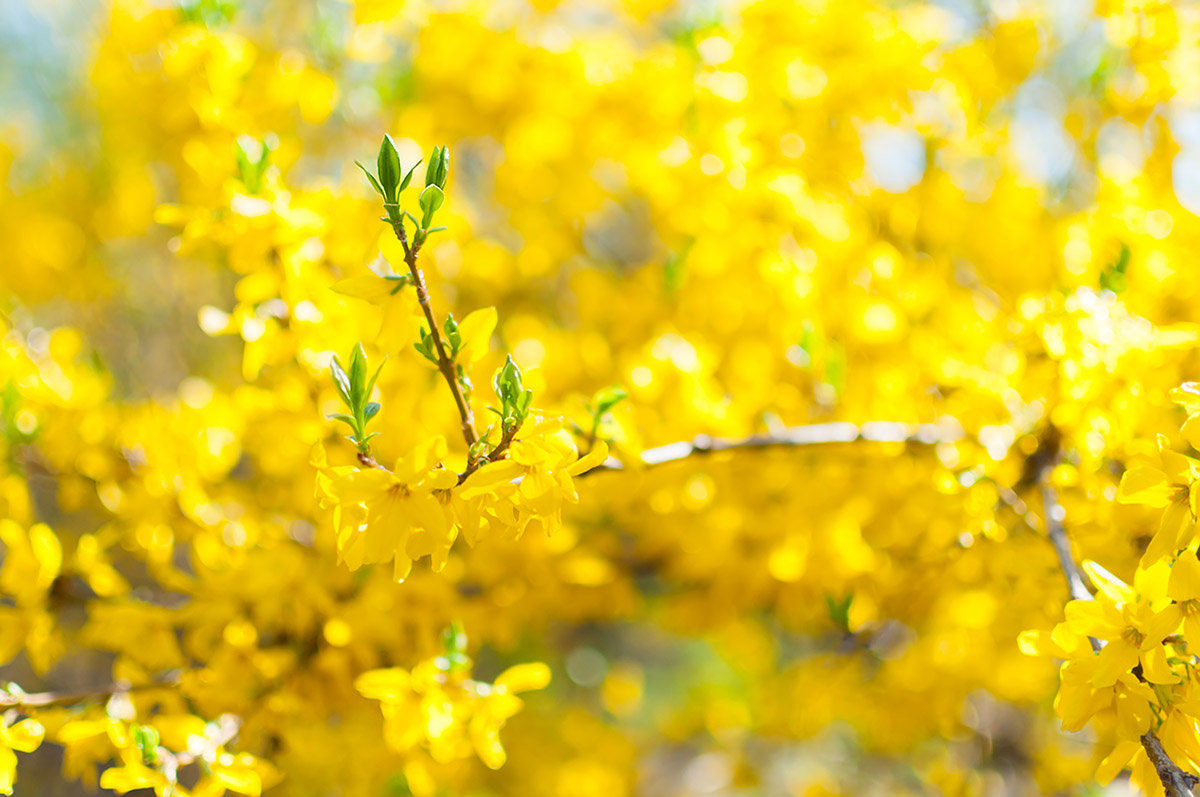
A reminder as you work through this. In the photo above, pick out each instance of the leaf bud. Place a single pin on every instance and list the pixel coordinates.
(438, 168)
(389, 169)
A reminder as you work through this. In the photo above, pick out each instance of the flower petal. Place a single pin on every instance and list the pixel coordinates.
(1144, 485)
(476, 331)
(524, 677)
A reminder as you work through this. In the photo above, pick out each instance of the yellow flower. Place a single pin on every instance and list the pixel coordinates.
(549, 461)
(133, 774)
(1175, 488)
(25, 736)
(456, 714)
(1132, 630)
(401, 315)
(1183, 587)
(477, 501)
(404, 519)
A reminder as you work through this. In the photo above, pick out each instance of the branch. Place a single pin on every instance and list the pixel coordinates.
(445, 364)
(1175, 781)
(797, 436)
(51, 699)
(1054, 513)
(506, 439)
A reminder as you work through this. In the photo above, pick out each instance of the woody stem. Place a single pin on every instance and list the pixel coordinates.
(445, 364)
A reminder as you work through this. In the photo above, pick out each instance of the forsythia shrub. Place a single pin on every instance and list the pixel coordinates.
(757, 397)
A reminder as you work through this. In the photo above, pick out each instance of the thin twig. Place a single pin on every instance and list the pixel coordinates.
(506, 439)
(51, 699)
(1054, 514)
(810, 435)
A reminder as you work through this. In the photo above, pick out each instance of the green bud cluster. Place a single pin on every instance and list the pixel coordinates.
(388, 182)
(515, 399)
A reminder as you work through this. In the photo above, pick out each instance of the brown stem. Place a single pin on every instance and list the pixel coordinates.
(50, 699)
(445, 363)
(1175, 781)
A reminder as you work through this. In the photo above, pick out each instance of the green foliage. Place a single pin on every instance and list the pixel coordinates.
(515, 399)
(253, 157)
(355, 392)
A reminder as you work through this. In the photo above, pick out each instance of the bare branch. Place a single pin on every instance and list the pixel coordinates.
(51, 699)
(1175, 780)
(811, 435)
(1054, 514)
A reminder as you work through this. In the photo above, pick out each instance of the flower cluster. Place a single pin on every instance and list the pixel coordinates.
(437, 711)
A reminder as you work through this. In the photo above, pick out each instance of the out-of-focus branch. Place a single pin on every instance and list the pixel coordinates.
(1053, 511)
(34, 700)
(816, 434)
(1175, 780)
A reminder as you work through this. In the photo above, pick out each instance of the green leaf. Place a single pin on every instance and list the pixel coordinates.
(673, 269)
(1113, 278)
(371, 410)
(426, 347)
(146, 738)
(371, 384)
(507, 381)
(454, 639)
(438, 168)
(839, 610)
(389, 168)
(452, 333)
(253, 157)
(358, 375)
(608, 398)
(374, 183)
(340, 380)
(408, 177)
(430, 200)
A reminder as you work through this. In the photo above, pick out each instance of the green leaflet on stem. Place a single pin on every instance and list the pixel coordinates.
(355, 390)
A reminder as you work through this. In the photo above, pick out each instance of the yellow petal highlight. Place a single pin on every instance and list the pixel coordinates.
(476, 331)
(524, 677)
